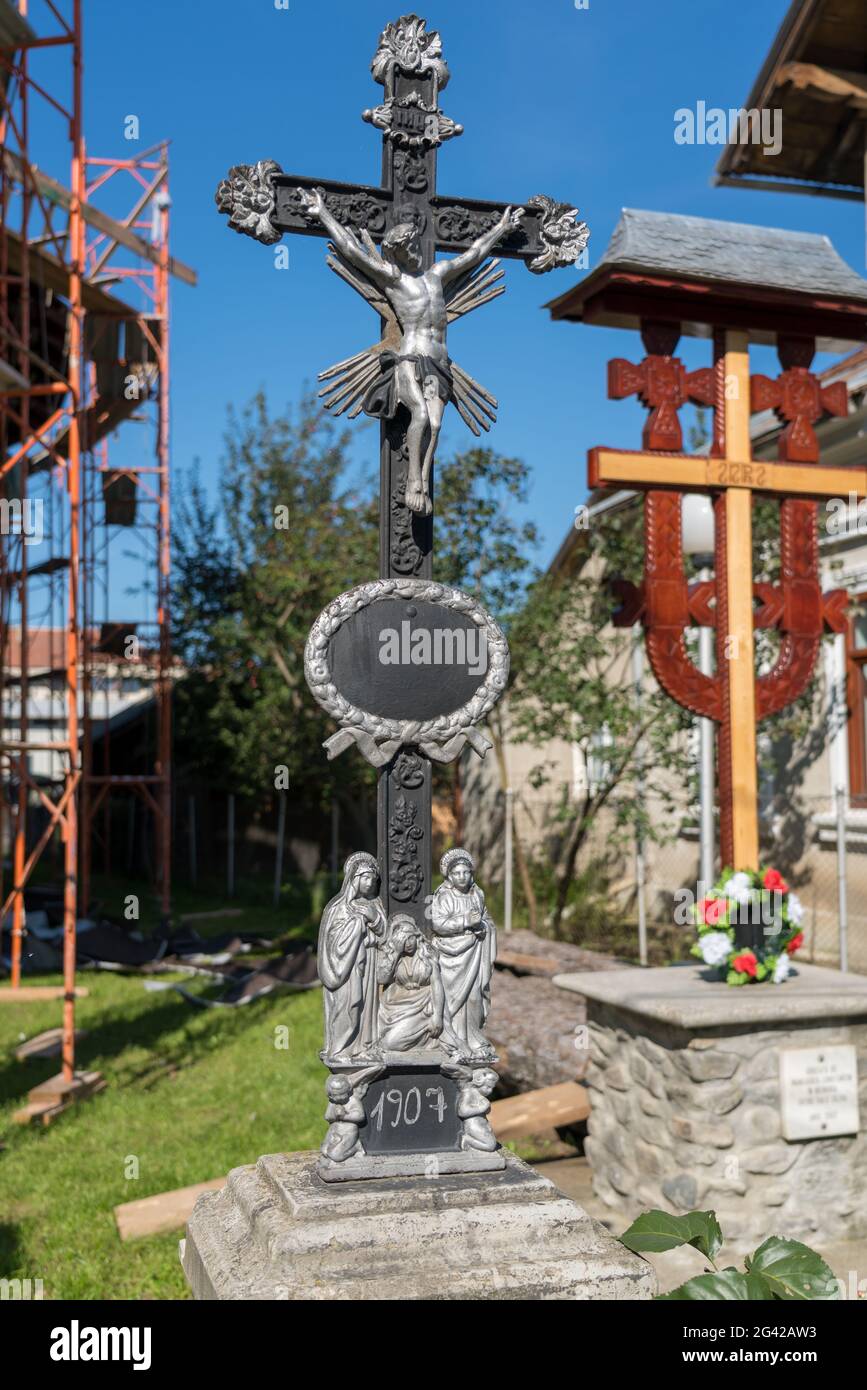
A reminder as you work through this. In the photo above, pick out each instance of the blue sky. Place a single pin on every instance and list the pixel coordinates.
(575, 103)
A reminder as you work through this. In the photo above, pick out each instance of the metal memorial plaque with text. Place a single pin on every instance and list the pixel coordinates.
(819, 1091)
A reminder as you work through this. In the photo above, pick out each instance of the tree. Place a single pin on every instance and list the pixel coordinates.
(252, 571)
(572, 680)
(483, 548)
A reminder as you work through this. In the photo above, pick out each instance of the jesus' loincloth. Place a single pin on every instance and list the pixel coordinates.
(381, 398)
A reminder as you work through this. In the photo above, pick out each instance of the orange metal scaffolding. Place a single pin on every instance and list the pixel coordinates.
(77, 359)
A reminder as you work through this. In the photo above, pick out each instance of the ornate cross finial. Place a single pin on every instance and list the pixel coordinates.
(405, 117)
(798, 398)
(405, 44)
(662, 384)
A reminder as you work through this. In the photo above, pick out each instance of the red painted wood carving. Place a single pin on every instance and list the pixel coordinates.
(798, 399)
(667, 604)
(662, 384)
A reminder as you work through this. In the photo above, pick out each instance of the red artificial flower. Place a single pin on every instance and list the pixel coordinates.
(795, 944)
(745, 963)
(774, 881)
(711, 910)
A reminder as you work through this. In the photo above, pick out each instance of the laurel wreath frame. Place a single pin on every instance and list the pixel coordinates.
(443, 728)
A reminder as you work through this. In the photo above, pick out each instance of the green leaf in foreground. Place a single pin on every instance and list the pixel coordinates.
(655, 1231)
(727, 1284)
(793, 1271)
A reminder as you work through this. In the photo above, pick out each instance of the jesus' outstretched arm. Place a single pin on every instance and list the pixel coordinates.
(347, 243)
(481, 247)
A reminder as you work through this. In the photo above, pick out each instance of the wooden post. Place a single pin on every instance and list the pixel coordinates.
(278, 861)
(507, 889)
(335, 839)
(192, 833)
(739, 649)
(230, 856)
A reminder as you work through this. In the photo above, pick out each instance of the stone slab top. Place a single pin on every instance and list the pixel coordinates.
(687, 996)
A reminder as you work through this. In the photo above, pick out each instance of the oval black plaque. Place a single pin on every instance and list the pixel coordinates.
(407, 660)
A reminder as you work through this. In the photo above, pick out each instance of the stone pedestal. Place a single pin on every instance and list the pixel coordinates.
(685, 1090)
(277, 1231)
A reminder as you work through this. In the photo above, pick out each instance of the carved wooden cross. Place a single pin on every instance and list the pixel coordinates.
(661, 383)
(263, 202)
(736, 697)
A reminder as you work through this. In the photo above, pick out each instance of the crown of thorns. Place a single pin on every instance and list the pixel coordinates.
(401, 235)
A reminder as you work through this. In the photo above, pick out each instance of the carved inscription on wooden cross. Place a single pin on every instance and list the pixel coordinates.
(407, 378)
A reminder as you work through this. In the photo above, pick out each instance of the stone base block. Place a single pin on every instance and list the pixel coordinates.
(432, 1165)
(686, 1100)
(277, 1231)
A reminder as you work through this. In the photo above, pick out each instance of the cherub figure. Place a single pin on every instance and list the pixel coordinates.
(410, 367)
(345, 1114)
(474, 1106)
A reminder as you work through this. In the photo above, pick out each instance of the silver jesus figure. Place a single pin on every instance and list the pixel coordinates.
(411, 366)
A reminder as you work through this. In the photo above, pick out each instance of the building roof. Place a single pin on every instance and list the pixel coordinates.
(815, 75)
(46, 648)
(762, 275)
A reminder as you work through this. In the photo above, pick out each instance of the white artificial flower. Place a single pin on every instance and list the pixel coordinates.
(782, 968)
(796, 909)
(738, 887)
(715, 947)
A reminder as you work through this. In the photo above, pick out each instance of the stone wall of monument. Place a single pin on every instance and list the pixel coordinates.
(687, 1122)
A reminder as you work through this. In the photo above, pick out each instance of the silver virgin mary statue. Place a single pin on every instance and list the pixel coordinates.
(352, 927)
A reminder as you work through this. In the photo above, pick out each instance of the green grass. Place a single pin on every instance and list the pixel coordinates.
(191, 1093)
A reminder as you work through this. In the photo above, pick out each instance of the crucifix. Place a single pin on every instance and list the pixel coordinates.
(407, 972)
(658, 276)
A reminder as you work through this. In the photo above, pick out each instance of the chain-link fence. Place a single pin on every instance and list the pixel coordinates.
(619, 896)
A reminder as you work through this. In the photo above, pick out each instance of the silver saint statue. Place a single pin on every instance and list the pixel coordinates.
(411, 1010)
(410, 367)
(465, 939)
(352, 925)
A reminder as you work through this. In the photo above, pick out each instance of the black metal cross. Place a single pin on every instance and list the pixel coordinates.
(263, 202)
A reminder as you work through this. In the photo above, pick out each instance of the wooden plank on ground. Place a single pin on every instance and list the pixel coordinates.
(29, 994)
(212, 916)
(50, 1098)
(47, 1044)
(524, 964)
(535, 1111)
(164, 1211)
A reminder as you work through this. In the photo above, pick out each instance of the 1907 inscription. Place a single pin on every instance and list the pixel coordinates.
(411, 1111)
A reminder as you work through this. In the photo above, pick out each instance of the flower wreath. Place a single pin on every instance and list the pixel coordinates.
(716, 918)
